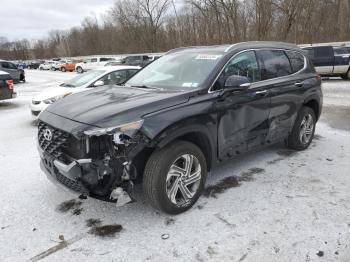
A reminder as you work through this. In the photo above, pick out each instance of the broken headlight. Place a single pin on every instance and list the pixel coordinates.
(128, 127)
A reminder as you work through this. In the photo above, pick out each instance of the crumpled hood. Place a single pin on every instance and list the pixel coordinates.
(111, 105)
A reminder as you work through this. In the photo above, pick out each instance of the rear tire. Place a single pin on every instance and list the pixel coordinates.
(303, 130)
(174, 177)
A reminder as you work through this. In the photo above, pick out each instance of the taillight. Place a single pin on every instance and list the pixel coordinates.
(9, 84)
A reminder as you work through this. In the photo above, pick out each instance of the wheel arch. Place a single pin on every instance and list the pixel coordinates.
(196, 134)
(314, 104)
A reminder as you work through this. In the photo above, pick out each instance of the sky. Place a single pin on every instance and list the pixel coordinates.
(33, 19)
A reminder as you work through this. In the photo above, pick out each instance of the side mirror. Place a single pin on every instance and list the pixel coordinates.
(99, 83)
(237, 82)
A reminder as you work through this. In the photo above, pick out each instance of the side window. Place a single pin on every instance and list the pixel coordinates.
(275, 63)
(132, 72)
(297, 60)
(243, 64)
(12, 66)
(5, 65)
(115, 78)
(93, 60)
(104, 59)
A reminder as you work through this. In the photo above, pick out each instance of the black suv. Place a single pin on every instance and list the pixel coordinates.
(178, 117)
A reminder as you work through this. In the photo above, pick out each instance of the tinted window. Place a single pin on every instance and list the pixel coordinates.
(275, 63)
(93, 60)
(12, 66)
(132, 72)
(5, 65)
(244, 64)
(116, 77)
(323, 51)
(133, 58)
(104, 59)
(296, 60)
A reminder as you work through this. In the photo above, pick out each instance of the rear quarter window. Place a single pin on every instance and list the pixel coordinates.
(297, 60)
(274, 63)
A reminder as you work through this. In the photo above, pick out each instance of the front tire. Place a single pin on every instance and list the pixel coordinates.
(174, 177)
(63, 69)
(303, 130)
(80, 70)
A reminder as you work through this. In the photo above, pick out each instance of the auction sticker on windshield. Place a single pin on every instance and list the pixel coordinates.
(207, 57)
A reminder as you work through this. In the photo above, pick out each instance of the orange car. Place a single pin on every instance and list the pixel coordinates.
(68, 66)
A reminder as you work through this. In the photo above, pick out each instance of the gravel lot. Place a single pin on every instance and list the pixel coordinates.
(279, 205)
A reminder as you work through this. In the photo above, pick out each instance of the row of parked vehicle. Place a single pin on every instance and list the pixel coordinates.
(81, 66)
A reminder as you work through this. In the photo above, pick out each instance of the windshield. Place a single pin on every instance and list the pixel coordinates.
(83, 78)
(178, 71)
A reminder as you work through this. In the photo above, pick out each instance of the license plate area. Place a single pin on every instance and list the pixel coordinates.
(49, 165)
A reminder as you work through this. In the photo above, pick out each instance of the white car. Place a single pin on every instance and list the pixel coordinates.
(47, 65)
(98, 77)
(92, 63)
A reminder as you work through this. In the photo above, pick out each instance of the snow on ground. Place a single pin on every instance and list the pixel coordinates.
(286, 206)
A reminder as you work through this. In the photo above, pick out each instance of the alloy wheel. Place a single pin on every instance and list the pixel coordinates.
(183, 179)
(306, 129)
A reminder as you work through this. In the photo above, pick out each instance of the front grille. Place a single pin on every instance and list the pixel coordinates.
(54, 146)
(74, 185)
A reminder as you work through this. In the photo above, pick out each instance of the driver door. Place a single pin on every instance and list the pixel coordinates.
(242, 114)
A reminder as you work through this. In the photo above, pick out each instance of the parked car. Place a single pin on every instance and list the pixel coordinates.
(178, 117)
(92, 63)
(6, 86)
(93, 78)
(9, 67)
(34, 64)
(136, 60)
(68, 65)
(327, 63)
(48, 65)
(113, 63)
(56, 66)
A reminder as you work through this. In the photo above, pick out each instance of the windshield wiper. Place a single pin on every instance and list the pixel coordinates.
(146, 87)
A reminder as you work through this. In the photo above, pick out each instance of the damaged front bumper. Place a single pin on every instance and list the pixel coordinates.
(100, 163)
(66, 176)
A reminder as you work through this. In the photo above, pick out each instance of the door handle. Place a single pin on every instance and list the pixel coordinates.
(299, 84)
(261, 93)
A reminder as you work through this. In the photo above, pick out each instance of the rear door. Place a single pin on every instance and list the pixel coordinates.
(242, 115)
(279, 72)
